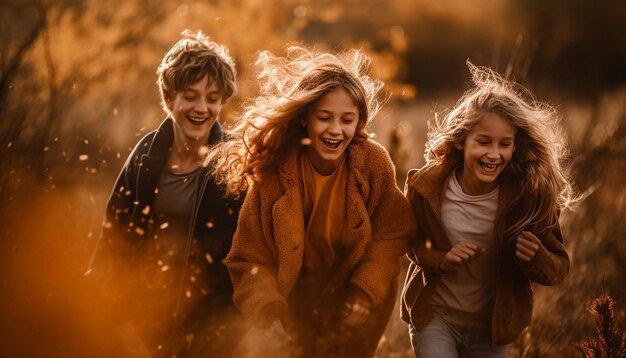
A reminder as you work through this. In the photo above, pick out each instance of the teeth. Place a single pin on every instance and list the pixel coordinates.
(488, 166)
(332, 143)
(196, 119)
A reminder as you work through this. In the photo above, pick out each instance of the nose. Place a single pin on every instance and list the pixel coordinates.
(201, 106)
(334, 127)
(494, 152)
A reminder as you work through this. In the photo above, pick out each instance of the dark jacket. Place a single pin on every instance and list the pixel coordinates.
(513, 305)
(128, 232)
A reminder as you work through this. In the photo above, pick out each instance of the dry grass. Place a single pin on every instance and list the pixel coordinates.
(607, 339)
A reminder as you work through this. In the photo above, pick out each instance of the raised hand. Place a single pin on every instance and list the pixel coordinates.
(527, 246)
(460, 254)
(356, 310)
(277, 333)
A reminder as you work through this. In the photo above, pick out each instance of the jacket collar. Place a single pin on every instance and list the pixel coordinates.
(164, 137)
(430, 182)
(152, 162)
(290, 170)
(510, 192)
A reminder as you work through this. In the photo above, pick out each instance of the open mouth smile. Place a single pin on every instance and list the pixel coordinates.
(489, 167)
(198, 121)
(332, 143)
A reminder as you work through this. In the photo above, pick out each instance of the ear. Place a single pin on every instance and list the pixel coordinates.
(458, 146)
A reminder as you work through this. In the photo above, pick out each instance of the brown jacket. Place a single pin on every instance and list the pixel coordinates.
(266, 257)
(513, 304)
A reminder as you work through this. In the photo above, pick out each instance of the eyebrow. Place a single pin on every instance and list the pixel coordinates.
(196, 91)
(488, 136)
(330, 112)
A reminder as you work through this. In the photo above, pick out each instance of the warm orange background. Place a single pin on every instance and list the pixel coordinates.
(77, 90)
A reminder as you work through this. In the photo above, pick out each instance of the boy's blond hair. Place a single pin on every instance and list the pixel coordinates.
(189, 60)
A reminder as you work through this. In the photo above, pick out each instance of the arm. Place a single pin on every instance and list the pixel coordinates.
(421, 250)
(106, 273)
(253, 265)
(117, 217)
(391, 225)
(543, 260)
(425, 255)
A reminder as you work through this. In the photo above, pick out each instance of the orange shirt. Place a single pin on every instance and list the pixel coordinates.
(324, 203)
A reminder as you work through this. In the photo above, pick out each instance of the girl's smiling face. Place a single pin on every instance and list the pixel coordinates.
(487, 149)
(331, 124)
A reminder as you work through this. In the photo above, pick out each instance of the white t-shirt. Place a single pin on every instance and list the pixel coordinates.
(469, 218)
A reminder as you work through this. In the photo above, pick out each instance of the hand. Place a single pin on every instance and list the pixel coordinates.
(460, 254)
(356, 310)
(130, 342)
(355, 314)
(277, 333)
(527, 246)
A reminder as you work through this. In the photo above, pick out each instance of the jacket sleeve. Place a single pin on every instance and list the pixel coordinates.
(252, 262)
(421, 250)
(391, 226)
(117, 217)
(106, 272)
(551, 263)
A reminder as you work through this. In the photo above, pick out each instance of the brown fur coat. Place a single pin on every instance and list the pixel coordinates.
(266, 257)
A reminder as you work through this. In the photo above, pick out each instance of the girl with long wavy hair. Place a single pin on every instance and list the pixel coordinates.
(315, 259)
(487, 205)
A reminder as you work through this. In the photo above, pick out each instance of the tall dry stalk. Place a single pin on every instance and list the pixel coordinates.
(609, 340)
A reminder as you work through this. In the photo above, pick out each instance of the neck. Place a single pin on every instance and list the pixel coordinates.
(470, 187)
(188, 150)
(186, 155)
(325, 167)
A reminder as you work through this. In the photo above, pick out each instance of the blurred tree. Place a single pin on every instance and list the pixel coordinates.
(580, 43)
(49, 51)
(77, 89)
(21, 26)
(78, 76)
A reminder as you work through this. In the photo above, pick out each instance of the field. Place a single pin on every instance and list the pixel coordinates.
(77, 90)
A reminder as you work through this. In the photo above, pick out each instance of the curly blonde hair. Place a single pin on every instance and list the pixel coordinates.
(189, 60)
(540, 154)
(270, 128)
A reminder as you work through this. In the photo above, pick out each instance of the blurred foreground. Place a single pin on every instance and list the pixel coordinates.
(50, 229)
(77, 90)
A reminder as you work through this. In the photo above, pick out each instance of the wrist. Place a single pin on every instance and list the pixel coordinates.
(440, 268)
(359, 296)
(274, 311)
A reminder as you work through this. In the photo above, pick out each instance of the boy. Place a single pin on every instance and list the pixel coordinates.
(167, 224)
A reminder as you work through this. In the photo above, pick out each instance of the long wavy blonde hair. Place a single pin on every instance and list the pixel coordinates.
(271, 128)
(538, 162)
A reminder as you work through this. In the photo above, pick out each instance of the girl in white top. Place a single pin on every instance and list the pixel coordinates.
(487, 204)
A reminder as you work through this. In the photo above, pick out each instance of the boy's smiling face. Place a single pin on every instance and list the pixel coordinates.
(195, 110)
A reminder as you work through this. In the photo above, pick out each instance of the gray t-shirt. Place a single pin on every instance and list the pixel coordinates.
(174, 202)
